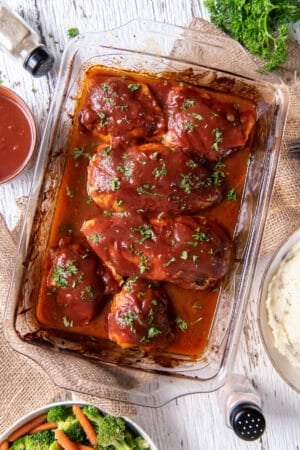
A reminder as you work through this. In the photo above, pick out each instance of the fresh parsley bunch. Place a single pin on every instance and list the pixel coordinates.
(259, 25)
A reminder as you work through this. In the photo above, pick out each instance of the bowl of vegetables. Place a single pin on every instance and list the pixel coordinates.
(74, 426)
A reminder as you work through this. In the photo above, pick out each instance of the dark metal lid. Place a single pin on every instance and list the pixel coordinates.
(39, 62)
(247, 421)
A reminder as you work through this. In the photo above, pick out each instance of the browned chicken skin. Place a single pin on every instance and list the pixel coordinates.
(122, 108)
(151, 177)
(192, 252)
(200, 122)
(139, 317)
(75, 277)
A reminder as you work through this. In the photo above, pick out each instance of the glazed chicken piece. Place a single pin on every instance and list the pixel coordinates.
(75, 278)
(139, 317)
(192, 252)
(151, 177)
(209, 123)
(121, 107)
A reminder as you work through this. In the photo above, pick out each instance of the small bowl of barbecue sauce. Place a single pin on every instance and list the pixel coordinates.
(17, 134)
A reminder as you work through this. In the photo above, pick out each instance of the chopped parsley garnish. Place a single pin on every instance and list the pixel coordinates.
(184, 255)
(128, 319)
(197, 116)
(126, 170)
(110, 101)
(150, 316)
(232, 195)
(78, 152)
(158, 172)
(218, 174)
(60, 273)
(87, 293)
(103, 118)
(186, 183)
(105, 86)
(77, 281)
(187, 104)
(192, 164)
(151, 334)
(145, 232)
(189, 126)
(218, 138)
(133, 87)
(107, 151)
(143, 263)
(197, 305)
(200, 236)
(96, 238)
(67, 323)
(114, 184)
(72, 32)
(181, 324)
(129, 282)
(145, 189)
(69, 192)
(171, 261)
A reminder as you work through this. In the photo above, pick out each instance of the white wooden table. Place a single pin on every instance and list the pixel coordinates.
(192, 422)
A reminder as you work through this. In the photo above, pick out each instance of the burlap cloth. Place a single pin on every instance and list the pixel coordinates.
(23, 385)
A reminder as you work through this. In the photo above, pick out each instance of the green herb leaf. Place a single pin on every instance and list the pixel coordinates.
(133, 87)
(182, 324)
(261, 26)
(232, 195)
(72, 32)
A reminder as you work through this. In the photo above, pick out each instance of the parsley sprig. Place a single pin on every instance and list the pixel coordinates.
(261, 26)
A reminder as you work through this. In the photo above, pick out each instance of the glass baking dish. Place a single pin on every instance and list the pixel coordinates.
(190, 56)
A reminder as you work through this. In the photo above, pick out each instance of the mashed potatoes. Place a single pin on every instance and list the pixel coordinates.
(283, 306)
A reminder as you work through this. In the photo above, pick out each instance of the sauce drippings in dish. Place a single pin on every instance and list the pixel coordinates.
(125, 121)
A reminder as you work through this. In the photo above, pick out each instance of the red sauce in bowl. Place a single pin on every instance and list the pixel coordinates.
(17, 134)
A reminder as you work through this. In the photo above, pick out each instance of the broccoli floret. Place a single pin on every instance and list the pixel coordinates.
(18, 444)
(36, 441)
(72, 428)
(59, 413)
(112, 432)
(55, 446)
(136, 442)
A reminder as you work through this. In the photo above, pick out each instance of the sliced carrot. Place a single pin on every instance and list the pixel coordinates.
(4, 445)
(43, 427)
(86, 424)
(27, 427)
(64, 441)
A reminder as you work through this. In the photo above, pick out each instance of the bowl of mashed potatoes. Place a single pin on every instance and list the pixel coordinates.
(279, 311)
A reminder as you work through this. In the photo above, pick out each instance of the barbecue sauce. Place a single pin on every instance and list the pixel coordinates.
(191, 310)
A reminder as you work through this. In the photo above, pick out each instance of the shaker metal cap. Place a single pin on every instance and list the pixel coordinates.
(247, 421)
(39, 62)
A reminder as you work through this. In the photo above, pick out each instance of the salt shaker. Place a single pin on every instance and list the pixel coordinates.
(242, 408)
(23, 43)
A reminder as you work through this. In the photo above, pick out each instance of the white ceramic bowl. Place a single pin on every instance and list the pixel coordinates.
(35, 413)
(294, 31)
(282, 365)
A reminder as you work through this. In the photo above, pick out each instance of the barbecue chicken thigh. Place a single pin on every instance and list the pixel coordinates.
(122, 108)
(192, 252)
(139, 317)
(153, 178)
(75, 280)
(204, 122)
